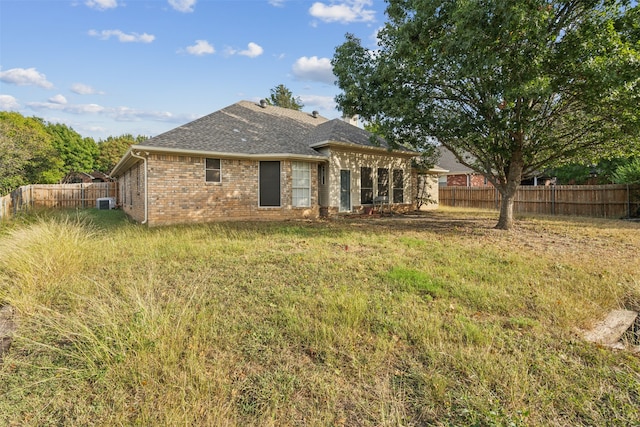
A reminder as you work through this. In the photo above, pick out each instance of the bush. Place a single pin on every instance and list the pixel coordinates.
(628, 173)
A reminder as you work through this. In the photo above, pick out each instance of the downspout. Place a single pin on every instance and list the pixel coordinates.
(146, 197)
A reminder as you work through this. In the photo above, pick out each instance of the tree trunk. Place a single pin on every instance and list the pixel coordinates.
(505, 222)
(508, 191)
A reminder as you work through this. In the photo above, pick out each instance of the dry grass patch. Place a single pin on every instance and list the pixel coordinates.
(431, 320)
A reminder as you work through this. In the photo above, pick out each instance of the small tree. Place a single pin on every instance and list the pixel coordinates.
(282, 97)
(628, 173)
(510, 88)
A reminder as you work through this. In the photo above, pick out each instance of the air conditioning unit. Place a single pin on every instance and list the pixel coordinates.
(106, 203)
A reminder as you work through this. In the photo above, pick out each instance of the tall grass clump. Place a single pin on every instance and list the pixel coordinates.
(439, 320)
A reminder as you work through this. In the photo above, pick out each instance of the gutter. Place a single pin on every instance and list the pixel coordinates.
(146, 196)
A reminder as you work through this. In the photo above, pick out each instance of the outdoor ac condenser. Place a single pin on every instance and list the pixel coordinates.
(105, 203)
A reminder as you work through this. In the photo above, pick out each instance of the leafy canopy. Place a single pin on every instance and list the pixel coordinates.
(26, 152)
(111, 150)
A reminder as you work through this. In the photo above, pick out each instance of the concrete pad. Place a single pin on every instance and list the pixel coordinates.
(610, 330)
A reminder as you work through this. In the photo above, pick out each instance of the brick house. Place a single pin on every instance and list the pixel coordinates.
(456, 174)
(257, 161)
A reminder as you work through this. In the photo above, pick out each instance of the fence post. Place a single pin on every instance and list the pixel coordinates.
(628, 202)
(553, 200)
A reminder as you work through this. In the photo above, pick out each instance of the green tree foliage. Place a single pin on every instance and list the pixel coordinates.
(282, 97)
(112, 149)
(77, 153)
(628, 173)
(27, 154)
(511, 88)
(598, 173)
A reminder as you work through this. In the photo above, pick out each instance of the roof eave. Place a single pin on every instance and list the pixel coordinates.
(352, 145)
(204, 153)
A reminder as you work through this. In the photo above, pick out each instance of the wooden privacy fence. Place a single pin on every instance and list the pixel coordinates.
(605, 201)
(55, 196)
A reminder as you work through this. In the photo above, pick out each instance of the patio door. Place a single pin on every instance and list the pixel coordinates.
(345, 191)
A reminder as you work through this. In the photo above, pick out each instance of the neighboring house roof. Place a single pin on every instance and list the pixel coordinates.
(75, 177)
(449, 162)
(248, 129)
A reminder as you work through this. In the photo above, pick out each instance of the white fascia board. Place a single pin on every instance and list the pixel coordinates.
(178, 151)
(359, 147)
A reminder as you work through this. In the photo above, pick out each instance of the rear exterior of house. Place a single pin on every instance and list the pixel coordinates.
(179, 191)
(250, 162)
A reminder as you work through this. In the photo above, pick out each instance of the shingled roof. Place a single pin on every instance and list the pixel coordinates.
(250, 129)
(342, 132)
(243, 128)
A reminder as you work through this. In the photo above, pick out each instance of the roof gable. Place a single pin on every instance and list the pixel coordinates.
(243, 128)
(247, 129)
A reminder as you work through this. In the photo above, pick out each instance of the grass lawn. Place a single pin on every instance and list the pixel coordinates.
(436, 320)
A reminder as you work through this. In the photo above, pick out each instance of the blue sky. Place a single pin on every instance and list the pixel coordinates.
(110, 67)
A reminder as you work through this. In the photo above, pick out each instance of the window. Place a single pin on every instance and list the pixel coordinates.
(269, 192)
(301, 184)
(383, 182)
(366, 186)
(212, 170)
(398, 186)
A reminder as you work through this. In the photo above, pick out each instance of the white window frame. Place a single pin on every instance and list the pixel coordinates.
(219, 169)
(301, 184)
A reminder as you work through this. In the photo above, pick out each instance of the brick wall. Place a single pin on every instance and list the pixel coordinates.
(476, 180)
(341, 159)
(178, 192)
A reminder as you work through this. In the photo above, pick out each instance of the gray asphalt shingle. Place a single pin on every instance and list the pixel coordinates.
(244, 128)
(247, 128)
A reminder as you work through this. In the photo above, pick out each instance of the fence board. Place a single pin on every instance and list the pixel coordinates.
(604, 201)
(83, 195)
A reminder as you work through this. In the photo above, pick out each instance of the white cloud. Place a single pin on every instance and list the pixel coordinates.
(252, 50)
(58, 99)
(8, 102)
(345, 12)
(314, 69)
(102, 4)
(202, 47)
(326, 103)
(122, 36)
(67, 108)
(83, 89)
(25, 77)
(183, 5)
(277, 3)
(121, 114)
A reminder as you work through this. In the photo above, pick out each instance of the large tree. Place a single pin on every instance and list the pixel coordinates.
(510, 87)
(77, 153)
(282, 97)
(27, 154)
(113, 148)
